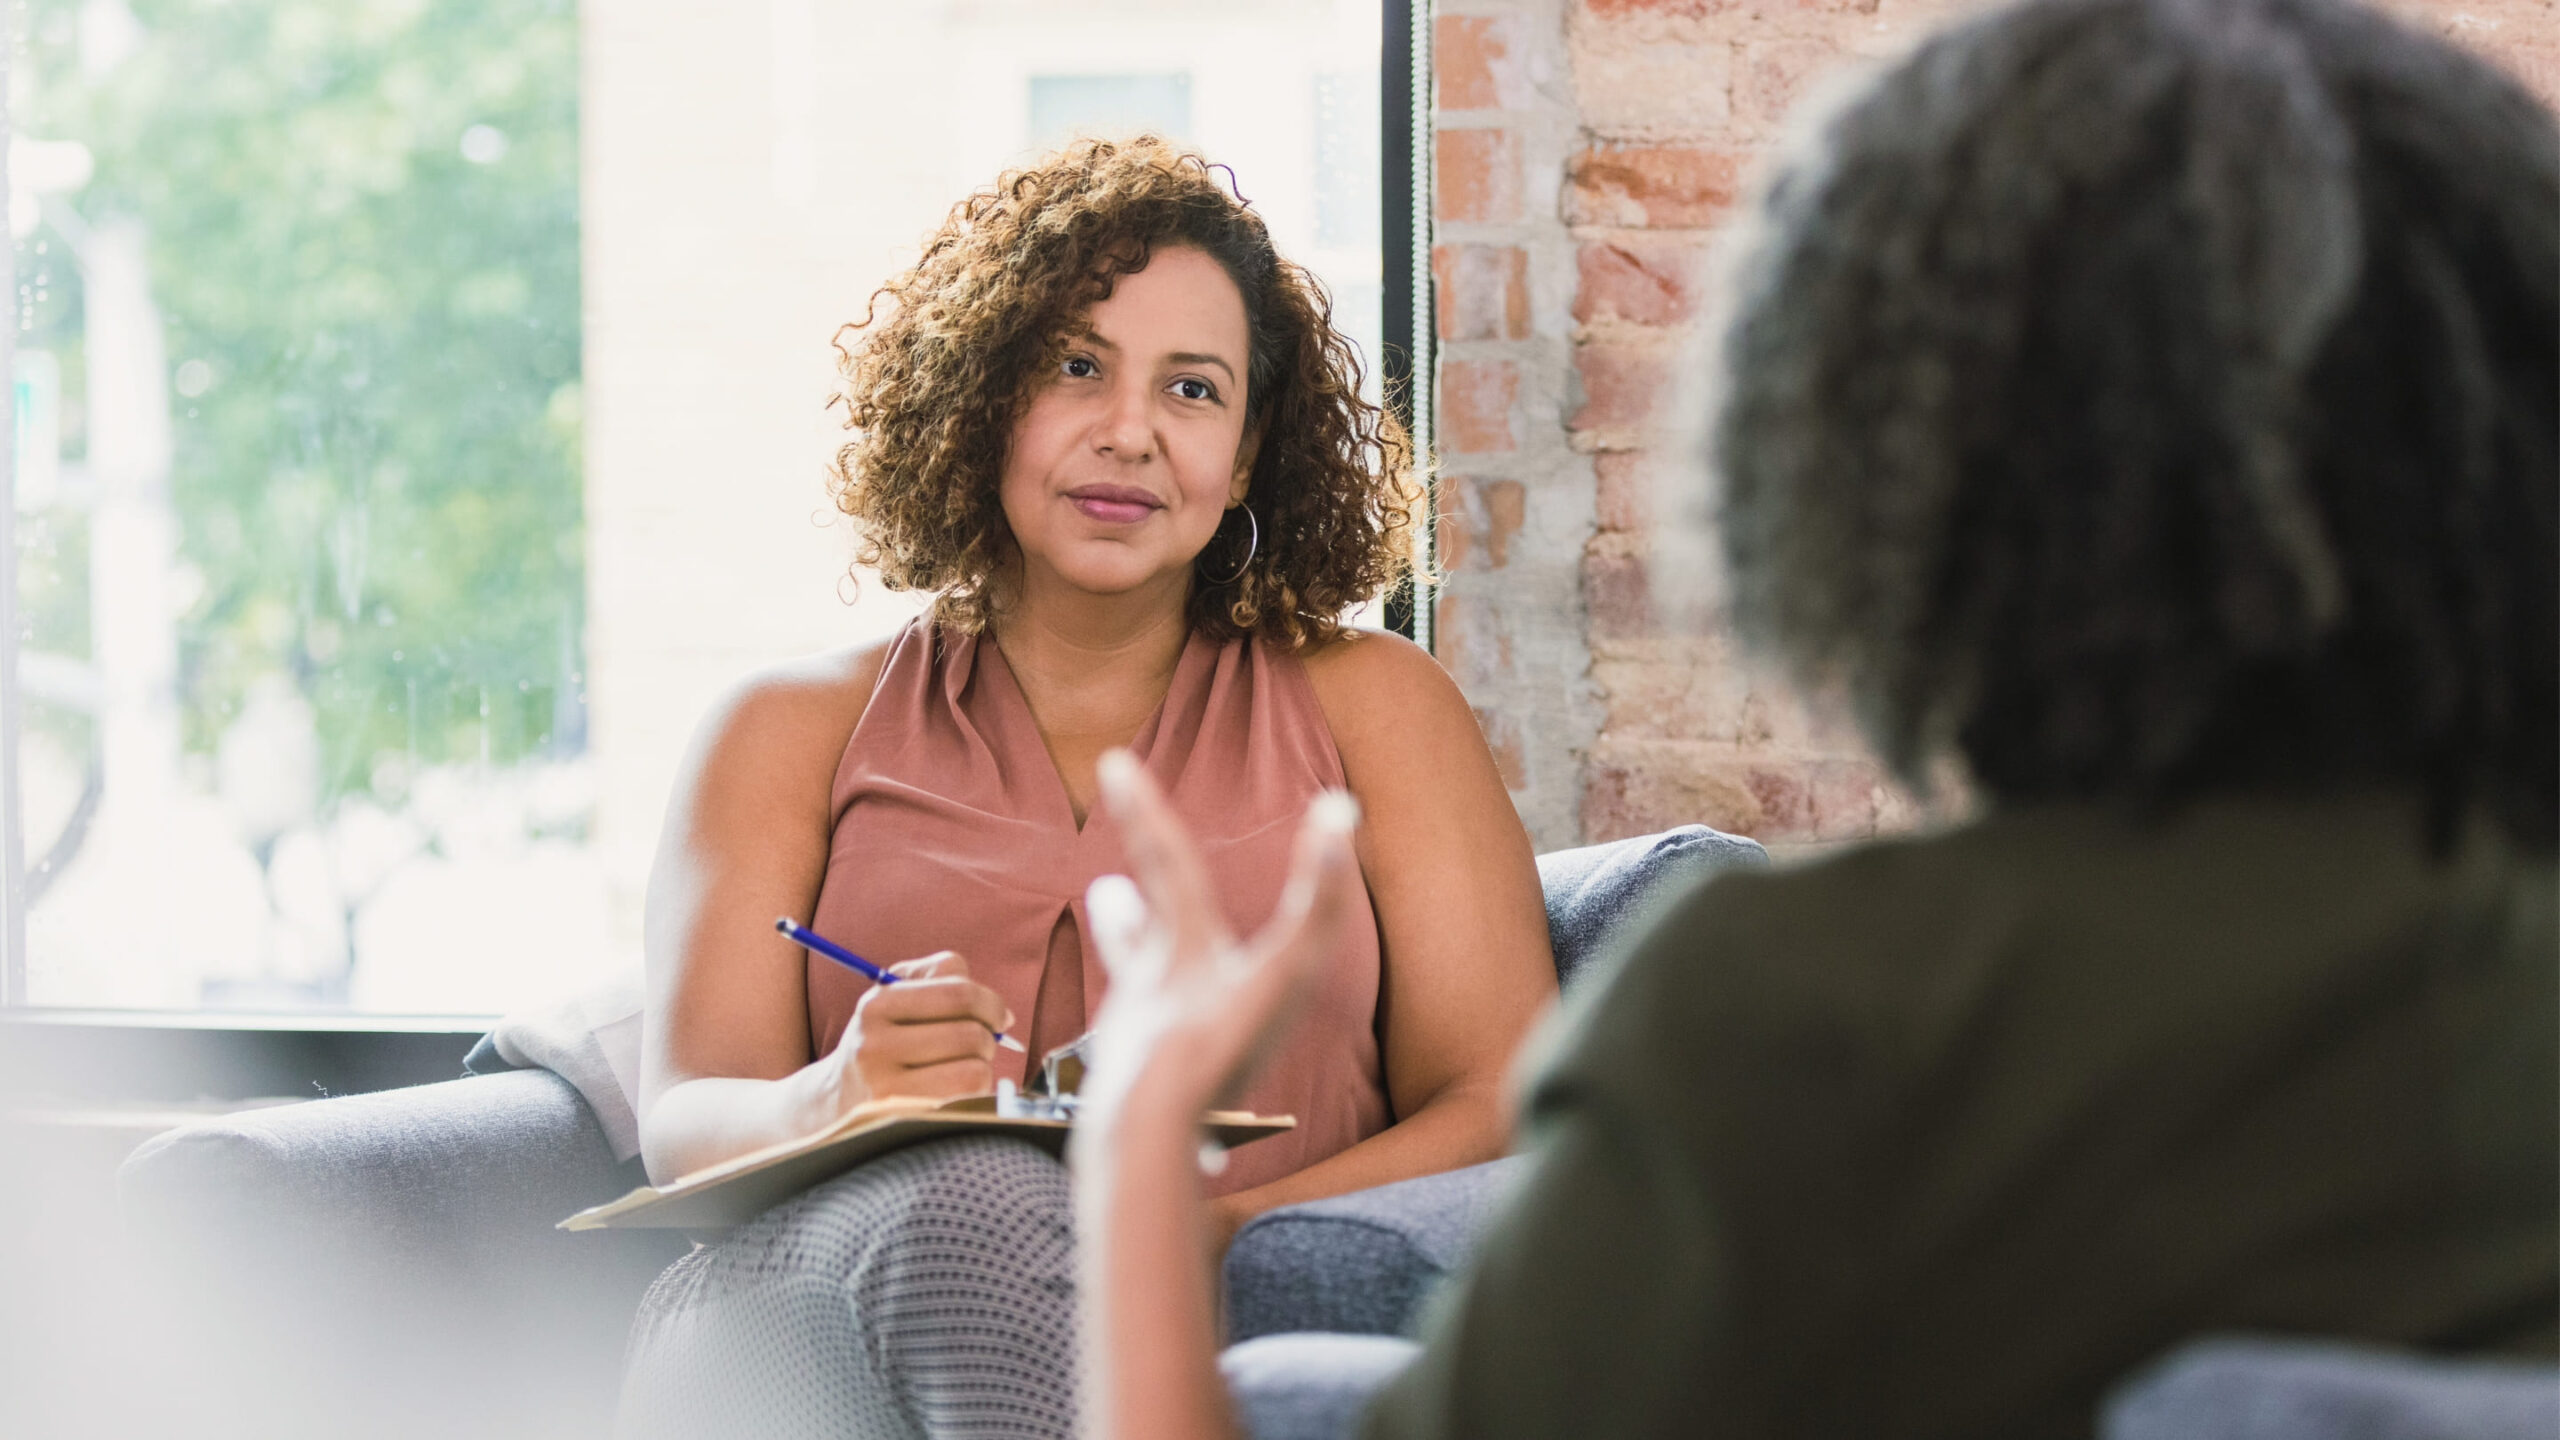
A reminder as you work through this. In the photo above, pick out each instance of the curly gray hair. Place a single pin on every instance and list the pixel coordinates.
(2134, 397)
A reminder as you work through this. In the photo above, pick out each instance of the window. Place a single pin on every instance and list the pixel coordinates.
(420, 418)
(301, 568)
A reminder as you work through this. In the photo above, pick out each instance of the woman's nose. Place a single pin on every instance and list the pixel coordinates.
(1126, 431)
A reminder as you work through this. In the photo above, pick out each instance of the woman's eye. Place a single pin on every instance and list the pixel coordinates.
(1194, 389)
(1081, 367)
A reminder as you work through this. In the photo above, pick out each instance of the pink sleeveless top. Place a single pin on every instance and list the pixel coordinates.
(952, 831)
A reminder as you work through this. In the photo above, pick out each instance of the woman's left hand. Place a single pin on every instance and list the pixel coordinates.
(1191, 1007)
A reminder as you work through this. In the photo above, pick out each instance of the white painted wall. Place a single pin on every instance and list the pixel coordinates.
(752, 173)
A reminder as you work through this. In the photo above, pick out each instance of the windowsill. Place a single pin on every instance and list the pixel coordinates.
(132, 1123)
(74, 1059)
(333, 1021)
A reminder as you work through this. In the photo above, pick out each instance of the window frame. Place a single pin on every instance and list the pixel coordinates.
(67, 1056)
(13, 830)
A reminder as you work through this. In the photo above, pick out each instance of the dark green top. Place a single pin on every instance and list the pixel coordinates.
(1939, 1138)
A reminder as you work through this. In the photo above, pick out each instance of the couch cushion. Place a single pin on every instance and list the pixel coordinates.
(2244, 1388)
(1360, 1263)
(1595, 893)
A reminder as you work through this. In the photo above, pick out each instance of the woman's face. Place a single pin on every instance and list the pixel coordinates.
(1124, 460)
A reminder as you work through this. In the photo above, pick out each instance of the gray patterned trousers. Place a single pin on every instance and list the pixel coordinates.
(928, 1294)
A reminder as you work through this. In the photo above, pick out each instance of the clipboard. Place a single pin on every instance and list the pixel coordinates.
(736, 1191)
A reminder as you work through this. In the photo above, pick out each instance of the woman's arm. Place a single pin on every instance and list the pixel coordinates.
(1461, 923)
(1189, 1012)
(725, 1063)
(724, 1054)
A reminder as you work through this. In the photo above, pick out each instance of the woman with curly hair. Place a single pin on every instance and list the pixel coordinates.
(2149, 409)
(1116, 438)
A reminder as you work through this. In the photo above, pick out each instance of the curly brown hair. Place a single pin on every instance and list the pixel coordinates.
(983, 319)
(2174, 453)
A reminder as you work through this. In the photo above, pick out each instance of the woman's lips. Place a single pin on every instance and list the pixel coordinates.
(1113, 504)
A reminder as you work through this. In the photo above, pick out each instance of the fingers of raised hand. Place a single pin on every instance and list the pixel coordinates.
(1307, 927)
(1133, 948)
(1322, 871)
(1165, 862)
(1197, 1029)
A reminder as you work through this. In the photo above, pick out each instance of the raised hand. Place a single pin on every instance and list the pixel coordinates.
(1191, 1007)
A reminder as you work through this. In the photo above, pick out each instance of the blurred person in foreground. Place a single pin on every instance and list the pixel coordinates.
(2148, 408)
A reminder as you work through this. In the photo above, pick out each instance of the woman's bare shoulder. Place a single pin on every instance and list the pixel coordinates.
(1372, 683)
(1357, 658)
(794, 715)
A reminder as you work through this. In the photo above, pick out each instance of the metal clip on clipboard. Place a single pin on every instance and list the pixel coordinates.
(1048, 1093)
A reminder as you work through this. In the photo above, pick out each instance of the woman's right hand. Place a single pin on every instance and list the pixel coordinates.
(931, 1036)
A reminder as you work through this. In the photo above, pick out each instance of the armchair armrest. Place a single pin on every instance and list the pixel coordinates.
(389, 1260)
(2259, 1387)
(1361, 1263)
(1310, 1387)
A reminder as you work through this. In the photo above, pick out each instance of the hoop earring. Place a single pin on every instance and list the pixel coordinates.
(1251, 545)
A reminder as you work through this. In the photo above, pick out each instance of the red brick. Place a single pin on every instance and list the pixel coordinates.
(1677, 687)
(1478, 173)
(1608, 811)
(1510, 756)
(1779, 712)
(1648, 82)
(1775, 74)
(1610, 9)
(1481, 291)
(1506, 505)
(1473, 646)
(1662, 186)
(1451, 633)
(1621, 385)
(1846, 796)
(1626, 491)
(1642, 698)
(1479, 517)
(1650, 280)
(1617, 595)
(1637, 795)
(1476, 63)
(1786, 801)
(1478, 401)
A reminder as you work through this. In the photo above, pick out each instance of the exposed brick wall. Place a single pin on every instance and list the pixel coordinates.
(1515, 496)
(1590, 152)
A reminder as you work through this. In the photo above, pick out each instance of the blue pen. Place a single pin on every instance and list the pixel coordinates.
(858, 965)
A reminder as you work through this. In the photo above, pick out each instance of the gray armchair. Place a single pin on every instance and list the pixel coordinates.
(386, 1264)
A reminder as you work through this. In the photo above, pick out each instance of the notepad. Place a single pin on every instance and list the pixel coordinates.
(736, 1191)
